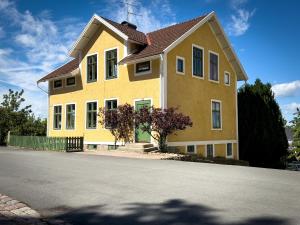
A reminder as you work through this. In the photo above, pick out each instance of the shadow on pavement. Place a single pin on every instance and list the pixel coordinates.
(172, 212)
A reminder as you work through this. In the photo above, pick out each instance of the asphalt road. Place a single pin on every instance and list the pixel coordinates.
(86, 189)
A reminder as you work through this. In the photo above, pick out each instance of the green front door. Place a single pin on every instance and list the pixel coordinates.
(141, 136)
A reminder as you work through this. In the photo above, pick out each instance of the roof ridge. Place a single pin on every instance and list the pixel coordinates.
(183, 22)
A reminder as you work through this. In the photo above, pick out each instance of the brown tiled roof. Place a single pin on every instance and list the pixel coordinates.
(132, 34)
(161, 39)
(152, 43)
(65, 69)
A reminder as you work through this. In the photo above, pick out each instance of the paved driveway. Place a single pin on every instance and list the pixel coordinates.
(86, 189)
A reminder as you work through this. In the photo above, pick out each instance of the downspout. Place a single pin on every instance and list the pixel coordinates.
(47, 92)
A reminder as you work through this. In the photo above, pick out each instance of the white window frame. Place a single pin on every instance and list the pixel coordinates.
(62, 84)
(104, 64)
(70, 103)
(211, 116)
(195, 149)
(215, 53)
(203, 60)
(145, 72)
(229, 156)
(86, 72)
(213, 146)
(72, 85)
(62, 113)
(104, 105)
(227, 73)
(183, 59)
(85, 115)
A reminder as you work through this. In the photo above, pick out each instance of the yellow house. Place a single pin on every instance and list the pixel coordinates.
(190, 65)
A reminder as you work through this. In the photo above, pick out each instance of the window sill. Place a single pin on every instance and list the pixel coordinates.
(214, 81)
(198, 77)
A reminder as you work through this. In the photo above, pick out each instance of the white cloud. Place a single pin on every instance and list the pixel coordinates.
(292, 107)
(287, 89)
(240, 19)
(39, 45)
(155, 15)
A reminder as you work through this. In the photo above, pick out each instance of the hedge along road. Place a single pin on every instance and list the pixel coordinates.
(87, 189)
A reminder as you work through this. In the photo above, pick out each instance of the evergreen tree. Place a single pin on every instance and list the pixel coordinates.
(262, 137)
(295, 152)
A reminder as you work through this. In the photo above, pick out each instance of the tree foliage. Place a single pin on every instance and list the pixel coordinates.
(262, 137)
(17, 119)
(160, 123)
(119, 121)
(295, 125)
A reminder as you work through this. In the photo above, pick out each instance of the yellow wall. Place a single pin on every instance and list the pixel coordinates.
(193, 95)
(125, 88)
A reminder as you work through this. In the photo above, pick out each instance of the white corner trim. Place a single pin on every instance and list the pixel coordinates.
(145, 72)
(217, 54)
(203, 60)
(237, 121)
(221, 122)
(183, 59)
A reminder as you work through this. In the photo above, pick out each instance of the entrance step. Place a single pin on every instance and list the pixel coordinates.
(138, 147)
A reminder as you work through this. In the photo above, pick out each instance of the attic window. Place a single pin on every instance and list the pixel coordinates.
(143, 68)
(57, 84)
(71, 81)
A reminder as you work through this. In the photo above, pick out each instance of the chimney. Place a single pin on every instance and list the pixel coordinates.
(125, 23)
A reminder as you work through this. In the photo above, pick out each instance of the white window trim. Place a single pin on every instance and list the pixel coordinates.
(213, 150)
(195, 149)
(62, 84)
(145, 72)
(211, 116)
(226, 72)
(62, 113)
(72, 85)
(229, 156)
(215, 53)
(152, 141)
(104, 64)
(104, 105)
(183, 59)
(86, 71)
(85, 115)
(203, 60)
(70, 103)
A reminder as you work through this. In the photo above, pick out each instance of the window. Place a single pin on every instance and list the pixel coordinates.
(180, 65)
(110, 105)
(191, 149)
(216, 114)
(57, 84)
(70, 116)
(92, 68)
(57, 117)
(111, 58)
(229, 149)
(91, 115)
(71, 81)
(143, 67)
(197, 61)
(227, 78)
(213, 66)
(209, 151)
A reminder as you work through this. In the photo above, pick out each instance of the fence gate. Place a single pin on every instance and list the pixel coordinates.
(74, 144)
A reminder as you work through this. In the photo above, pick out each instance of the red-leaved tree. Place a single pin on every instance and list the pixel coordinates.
(119, 121)
(160, 123)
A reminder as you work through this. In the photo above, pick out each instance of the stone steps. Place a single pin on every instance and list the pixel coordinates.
(138, 147)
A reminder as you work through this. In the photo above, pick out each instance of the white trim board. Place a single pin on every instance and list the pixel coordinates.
(184, 143)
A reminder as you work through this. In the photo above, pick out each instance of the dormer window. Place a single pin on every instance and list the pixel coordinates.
(57, 84)
(70, 81)
(143, 68)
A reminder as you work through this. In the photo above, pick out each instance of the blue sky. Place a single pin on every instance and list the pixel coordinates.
(35, 37)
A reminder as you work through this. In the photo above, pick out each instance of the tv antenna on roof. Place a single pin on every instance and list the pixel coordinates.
(129, 5)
